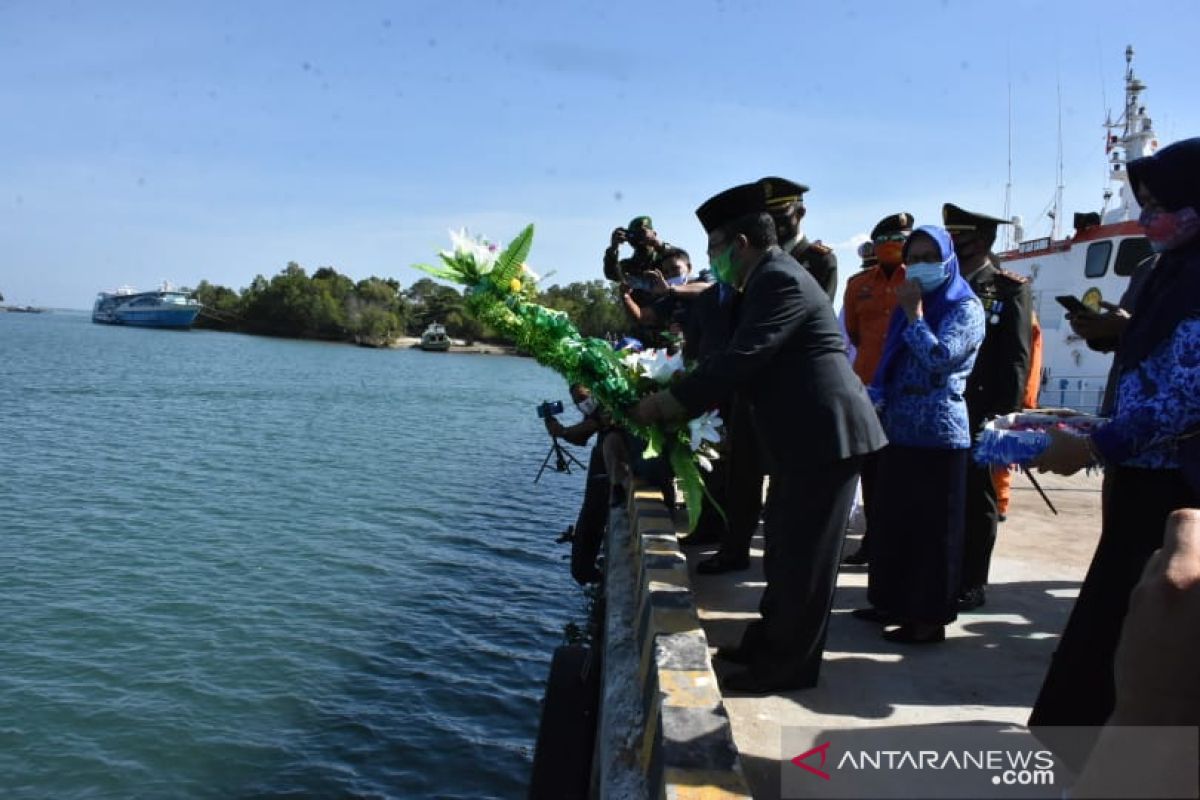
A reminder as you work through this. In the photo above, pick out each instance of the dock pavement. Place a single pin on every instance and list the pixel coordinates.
(989, 669)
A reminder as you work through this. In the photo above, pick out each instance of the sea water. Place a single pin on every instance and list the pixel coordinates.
(235, 566)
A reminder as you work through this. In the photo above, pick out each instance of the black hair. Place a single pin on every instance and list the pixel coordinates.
(758, 227)
(677, 252)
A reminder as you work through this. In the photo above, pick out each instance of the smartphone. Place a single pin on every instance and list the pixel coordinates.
(1073, 304)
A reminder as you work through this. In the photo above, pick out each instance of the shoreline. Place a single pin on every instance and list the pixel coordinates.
(456, 346)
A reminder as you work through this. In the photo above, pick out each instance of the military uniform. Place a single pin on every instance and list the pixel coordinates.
(996, 386)
(784, 197)
(820, 261)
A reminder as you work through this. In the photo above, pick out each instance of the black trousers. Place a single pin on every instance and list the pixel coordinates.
(805, 526)
(592, 520)
(870, 485)
(744, 486)
(981, 517)
(916, 550)
(1079, 688)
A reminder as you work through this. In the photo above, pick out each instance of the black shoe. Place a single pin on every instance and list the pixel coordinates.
(971, 599)
(908, 634)
(749, 683)
(721, 563)
(874, 615)
(735, 655)
(858, 558)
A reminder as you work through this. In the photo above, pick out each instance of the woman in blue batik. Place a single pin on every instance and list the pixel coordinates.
(932, 340)
(1148, 448)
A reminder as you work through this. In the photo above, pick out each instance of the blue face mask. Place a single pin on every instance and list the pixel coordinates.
(678, 280)
(930, 276)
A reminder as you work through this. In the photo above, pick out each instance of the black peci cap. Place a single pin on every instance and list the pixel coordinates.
(731, 204)
(958, 220)
(896, 223)
(779, 193)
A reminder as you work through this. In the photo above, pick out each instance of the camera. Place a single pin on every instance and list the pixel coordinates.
(550, 409)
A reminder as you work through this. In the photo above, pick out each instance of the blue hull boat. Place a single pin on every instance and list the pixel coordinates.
(163, 308)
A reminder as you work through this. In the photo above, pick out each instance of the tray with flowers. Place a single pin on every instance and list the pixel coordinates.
(1020, 438)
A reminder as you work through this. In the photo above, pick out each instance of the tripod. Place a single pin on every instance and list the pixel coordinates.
(562, 459)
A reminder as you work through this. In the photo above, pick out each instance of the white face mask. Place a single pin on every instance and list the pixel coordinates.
(587, 406)
(930, 276)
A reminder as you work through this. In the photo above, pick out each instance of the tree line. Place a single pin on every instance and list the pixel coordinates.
(331, 306)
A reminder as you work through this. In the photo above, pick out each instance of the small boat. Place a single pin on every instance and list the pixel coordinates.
(165, 307)
(435, 339)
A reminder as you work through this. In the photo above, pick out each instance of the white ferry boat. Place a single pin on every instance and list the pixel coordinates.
(1093, 264)
(163, 308)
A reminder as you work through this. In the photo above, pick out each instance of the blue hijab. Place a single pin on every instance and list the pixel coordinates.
(935, 306)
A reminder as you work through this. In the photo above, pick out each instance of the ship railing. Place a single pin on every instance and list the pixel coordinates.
(1084, 393)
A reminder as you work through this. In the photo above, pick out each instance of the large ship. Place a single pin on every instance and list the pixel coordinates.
(165, 307)
(1093, 264)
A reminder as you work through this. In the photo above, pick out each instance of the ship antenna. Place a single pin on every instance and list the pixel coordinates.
(1008, 242)
(1058, 194)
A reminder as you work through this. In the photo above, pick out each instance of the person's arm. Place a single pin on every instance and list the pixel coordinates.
(1138, 428)
(822, 265)
(641, 315)
(612, 266)
(957, 338)
(771, 312)
(1102, 332)
(577, 434)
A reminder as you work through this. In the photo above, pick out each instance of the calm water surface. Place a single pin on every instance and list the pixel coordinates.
(243, 567)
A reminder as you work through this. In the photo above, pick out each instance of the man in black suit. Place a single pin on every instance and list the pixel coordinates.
(813, 422)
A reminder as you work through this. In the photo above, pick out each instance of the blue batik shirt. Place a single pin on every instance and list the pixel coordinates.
(1156, 403)
(922, 403)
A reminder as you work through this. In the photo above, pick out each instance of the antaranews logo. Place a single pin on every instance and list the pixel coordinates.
(1007, 767)
(823, 750)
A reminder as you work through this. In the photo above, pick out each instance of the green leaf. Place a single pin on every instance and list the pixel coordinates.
(688, 475)
(445, 273)
(508, 264)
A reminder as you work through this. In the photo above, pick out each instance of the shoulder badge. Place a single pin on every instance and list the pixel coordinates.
(1012, 276)
(820, 247)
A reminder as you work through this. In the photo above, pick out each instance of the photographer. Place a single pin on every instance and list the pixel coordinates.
(593, 513)
(648, 254)
(671, 292)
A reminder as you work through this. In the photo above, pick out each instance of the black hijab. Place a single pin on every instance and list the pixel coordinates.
(1172, 292)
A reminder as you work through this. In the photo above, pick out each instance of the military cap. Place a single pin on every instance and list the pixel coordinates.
(896, 223)
(779, 193)
(640, 223)
(958, 220)
(731, 204)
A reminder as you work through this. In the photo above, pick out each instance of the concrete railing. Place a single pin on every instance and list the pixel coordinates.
(663, 729)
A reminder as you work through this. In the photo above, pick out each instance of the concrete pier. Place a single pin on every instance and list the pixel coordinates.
(989, 669)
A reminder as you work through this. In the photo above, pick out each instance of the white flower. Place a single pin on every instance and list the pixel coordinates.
(704, 429)
(658, 365)
(703, 463)
(476, 248)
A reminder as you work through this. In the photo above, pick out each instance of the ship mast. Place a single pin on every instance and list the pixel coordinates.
(1136, 139)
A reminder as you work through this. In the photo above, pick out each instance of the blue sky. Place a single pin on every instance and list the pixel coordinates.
(165, 140)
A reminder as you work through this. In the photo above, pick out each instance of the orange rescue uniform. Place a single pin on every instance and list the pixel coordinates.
(1002, 476)
(868, 302)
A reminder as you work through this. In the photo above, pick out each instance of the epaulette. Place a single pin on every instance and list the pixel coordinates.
(820, 247)
(859, 276)
(1012, 276)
